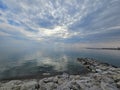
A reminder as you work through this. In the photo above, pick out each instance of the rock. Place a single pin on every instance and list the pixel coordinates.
(77, 77)
(55, 80)
(52, 86)
(37, 86)
(46, 74)
(65, 76)
(46, 80)
(108, 86)
(118, 84)
(75, 86)
(116, 77)
(99, 70)
(61, 80)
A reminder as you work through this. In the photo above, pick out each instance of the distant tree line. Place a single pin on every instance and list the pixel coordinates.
(118, 48)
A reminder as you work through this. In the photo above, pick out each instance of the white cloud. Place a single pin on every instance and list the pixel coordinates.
(103, 30)
(58, 31)
(49, 19)
(62, 13)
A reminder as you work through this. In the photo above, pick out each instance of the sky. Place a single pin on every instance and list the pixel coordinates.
(54, 24)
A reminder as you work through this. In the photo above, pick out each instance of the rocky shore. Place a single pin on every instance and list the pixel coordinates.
(101, 76)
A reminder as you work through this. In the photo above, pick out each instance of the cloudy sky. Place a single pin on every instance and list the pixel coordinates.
(59, 23)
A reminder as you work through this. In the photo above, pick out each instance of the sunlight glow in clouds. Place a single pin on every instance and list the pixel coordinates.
(58, 31)
(63, 21)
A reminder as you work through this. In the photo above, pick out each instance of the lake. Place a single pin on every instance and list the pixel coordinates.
(37, 62)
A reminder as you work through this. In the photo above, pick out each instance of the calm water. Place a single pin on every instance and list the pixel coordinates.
(36, 62)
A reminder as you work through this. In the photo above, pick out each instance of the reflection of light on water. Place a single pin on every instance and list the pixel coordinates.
(32, 56)
(45, 62)
(59, 64)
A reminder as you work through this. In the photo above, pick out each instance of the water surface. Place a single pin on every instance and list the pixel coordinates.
(51, 62)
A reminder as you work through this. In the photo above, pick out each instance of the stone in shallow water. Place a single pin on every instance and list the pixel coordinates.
(46, 74)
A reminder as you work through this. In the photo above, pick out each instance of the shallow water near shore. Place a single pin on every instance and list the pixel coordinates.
(50, 63)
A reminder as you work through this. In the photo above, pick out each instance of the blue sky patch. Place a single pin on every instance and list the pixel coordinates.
(2, 6)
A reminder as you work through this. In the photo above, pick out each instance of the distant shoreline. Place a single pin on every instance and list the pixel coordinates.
(105, 48)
